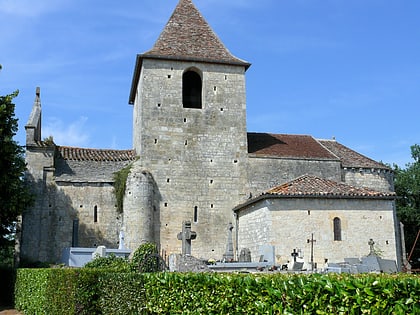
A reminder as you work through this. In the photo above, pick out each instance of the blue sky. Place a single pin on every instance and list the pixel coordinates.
(326, 68)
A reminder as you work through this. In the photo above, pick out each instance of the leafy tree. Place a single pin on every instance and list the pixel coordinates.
(407, 187)
(14, 195)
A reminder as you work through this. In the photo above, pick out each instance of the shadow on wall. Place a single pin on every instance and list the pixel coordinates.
(53, 224)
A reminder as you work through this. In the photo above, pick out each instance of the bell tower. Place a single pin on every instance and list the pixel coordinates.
(189, 130)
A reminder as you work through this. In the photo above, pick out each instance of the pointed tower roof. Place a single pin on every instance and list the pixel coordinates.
(187, 36)
(33, 126)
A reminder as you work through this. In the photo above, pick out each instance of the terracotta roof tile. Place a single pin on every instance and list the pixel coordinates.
(311, 186)
(188, 35)
(83, 154)
(287, 146)
(350, 158)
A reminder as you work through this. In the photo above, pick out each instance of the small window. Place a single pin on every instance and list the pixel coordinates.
(95, 214)
(191, 89)
(195, 214)
(337, 229)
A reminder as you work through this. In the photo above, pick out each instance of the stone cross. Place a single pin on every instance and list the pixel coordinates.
(294, 254)
(186, 236)
(228, 255)
(312, 241)
(372, 249)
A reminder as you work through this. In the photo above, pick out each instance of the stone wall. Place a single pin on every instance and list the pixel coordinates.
(267, 172)
(197, 157)
(74, 202)
(377, 179)
(291, 221)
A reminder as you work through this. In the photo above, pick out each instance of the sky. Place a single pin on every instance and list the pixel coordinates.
(325, 68)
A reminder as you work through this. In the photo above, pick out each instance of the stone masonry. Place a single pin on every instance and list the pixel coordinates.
(188, 163)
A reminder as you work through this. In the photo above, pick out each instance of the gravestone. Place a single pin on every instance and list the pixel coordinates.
(267, 253)
(99, 252)
(245, 255)
(186, 236)
(229, 255)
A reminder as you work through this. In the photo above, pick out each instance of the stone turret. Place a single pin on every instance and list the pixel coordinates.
(33, 127)
(139, 222)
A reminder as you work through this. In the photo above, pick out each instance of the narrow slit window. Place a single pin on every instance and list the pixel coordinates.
(95, 214)
(337, 229)
(195, 214)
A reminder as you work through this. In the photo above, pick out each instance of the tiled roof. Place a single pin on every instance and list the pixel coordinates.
(313, 186)
(287, 146)
(188, 35)
(308, 186)
(82, 154)
(350, 158)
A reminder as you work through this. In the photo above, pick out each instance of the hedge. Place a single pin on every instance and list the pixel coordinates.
(94, 291)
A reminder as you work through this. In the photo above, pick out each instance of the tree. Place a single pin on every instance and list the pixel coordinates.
(407, 187)
(14, 194)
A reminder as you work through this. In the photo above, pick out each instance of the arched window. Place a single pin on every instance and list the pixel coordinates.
(337, 229)
(191, 89)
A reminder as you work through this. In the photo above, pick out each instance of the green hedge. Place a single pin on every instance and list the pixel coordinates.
(93, 291)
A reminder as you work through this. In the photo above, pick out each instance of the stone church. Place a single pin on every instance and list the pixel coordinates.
(193, 159)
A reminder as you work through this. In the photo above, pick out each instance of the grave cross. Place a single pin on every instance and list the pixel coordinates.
(228, 255)
(294, 254)
(371, 247)
(312, 241)
(186, 236)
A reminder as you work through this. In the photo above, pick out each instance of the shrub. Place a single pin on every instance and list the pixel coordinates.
(109, 262)
(30, 290)
(146, 258)
(122, 293)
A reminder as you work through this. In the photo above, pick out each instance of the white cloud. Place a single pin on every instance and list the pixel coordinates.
(69, 134)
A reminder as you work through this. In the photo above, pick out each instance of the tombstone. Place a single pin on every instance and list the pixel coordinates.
(294, 254)
(372, 263)
(388, 266)
(186, 236)
(229, 255)
(99, 252)
(267, 253)
(245, 255)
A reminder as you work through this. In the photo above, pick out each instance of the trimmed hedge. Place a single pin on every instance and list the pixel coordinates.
(93, 291)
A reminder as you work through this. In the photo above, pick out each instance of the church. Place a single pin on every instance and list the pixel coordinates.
(193, 160)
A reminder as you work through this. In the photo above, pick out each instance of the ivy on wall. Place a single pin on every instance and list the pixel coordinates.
(120, 182)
